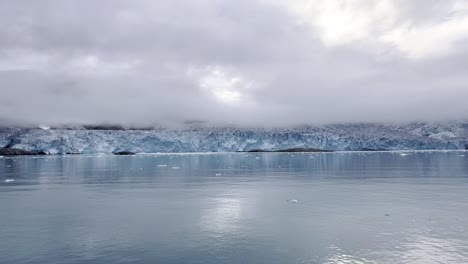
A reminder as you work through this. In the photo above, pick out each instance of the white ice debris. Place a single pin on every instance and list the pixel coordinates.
(293, 201)
(9, 180)
(175, 168)
(162, 165)
(218, 174)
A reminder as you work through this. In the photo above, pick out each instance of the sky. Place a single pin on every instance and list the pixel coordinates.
(243, 62)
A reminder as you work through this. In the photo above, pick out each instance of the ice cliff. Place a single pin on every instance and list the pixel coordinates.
(414, 136)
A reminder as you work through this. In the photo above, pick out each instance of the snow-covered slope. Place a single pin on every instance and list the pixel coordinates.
(414, 136)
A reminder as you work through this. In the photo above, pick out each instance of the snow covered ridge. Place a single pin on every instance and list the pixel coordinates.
(351, 137)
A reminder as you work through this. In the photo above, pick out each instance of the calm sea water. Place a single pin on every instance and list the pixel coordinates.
(235, 208)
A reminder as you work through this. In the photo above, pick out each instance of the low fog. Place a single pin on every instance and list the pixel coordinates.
(243, 62)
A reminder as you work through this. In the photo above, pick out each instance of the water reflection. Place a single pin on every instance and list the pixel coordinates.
(423, 248)
(233, 208)
(222, 215)
(102, 169)
(413, 248)
(339, 256)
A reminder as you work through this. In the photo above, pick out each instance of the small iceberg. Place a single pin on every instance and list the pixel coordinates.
(9, 180)
(293, 201)
(218, 174)
(162, 165)
(175, 168)
(404, 154)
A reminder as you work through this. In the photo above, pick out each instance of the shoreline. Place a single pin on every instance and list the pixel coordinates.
(241, 153)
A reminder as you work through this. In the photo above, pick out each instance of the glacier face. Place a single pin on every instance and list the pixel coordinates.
(349, 137)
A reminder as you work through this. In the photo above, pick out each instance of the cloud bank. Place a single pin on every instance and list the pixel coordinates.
(245, 62)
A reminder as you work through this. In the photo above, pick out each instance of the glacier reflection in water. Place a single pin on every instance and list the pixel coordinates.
(235, 208)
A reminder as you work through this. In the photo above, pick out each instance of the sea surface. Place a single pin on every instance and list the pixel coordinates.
(367, 207)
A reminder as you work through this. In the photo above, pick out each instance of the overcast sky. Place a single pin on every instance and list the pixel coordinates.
(247, 62)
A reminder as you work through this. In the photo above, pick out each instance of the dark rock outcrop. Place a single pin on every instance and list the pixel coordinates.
(104, 127)
(370, 149)
(14, 152)
(19, 152)
(292, 150)
(124, 153)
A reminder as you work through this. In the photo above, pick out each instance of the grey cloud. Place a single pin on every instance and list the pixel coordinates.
(145, 62)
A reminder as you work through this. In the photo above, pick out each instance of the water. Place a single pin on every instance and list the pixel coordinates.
(235, 208)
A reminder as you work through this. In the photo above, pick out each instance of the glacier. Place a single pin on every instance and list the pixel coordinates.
(341, 137)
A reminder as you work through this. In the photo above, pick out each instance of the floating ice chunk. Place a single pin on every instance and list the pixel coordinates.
(293, 201)
(257, 157)
(9, 180)
(162, 165)
(460, 156)
(218, 174)
(175, 168)
(8, 166)
(404, 154)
